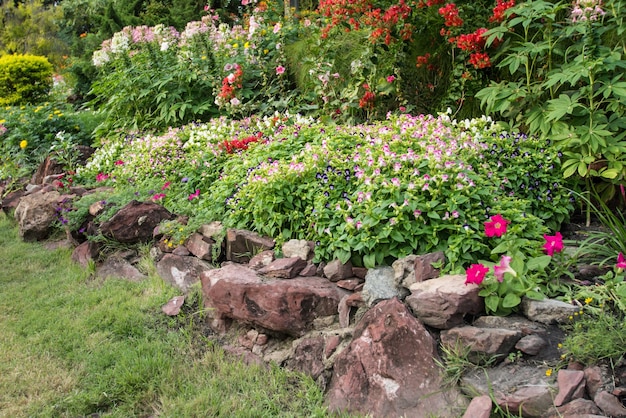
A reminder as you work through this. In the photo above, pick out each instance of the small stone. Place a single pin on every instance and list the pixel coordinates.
(568, 381)
(491, 341)
(309, 271)
(348, 284)
(610, 405)
(297, 248)
(548, 311)
(380, 284)
(181, 250)
(262, 259)
(173, 306)
(479, 407)
(336, 270)
(531, 344)
(284, 268)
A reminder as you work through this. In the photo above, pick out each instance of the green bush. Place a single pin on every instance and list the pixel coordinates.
(24, 79)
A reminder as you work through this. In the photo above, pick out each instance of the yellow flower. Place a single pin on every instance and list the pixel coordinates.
(559, 346)
(2, 121)
(265, 51)
(588, 301)
(235, 46)
(549, 372)
(23, 144)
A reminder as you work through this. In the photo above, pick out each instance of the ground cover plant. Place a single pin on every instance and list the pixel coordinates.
(76, 346)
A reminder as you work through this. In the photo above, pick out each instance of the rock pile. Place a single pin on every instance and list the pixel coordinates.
(370, 338)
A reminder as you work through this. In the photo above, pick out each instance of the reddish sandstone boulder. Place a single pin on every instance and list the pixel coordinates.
(286, 306)
(389, 369)
(135, 222)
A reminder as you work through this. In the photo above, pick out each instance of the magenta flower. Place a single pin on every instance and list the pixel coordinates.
(192, 196)
(101, 177)
(158, 196)
(554, 243)
(166, 185)
(391, 78)
(503, 267)
(621, 261)
(496, 226)
(119, 162)
(280, 69)
(475, 274)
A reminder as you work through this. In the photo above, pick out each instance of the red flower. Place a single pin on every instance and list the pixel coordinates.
(496, 226)
(368, 98)
(101, 177)
(501, 7)
(475, 274)
(480, 60)
(158, 196)
(423, 60)
(554, 243)
(450, 15)
(119, 162)
(471, 41)
(166, 185)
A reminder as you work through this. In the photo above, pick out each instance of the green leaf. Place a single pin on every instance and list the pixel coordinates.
(511, 300)
(369, 260)
(538, 263)
(491, 303)
(533, 294)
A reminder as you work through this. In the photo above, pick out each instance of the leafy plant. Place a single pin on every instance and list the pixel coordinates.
(566, 82)
(24, 79)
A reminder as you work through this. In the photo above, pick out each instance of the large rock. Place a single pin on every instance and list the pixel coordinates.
(242, 245)
(118, 267)
(9, 202)
(35, 214)
(180, 271)
(512, 387)
(548, 311)
(286, 306)
(135, 222)
(380, 284)
(443, 302)
(48, 167)
(482, 341)
(389, 369)
(200, 246)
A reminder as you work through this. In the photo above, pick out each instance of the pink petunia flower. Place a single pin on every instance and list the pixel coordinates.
(101, 177)
(192, 196)
(621, 261)
(166, 185)
(503, 267)
(554, 243)
(119, 162)
(476, 274)
(496, 226)
(391, 78)
(280, 69)
(158, 196)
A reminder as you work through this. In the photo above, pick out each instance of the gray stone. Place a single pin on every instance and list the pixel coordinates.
(35, 214)
(548, 311)
(443, 302)
(297, 248)
(118, 267)
(380, 284)
(182, 272)
(214, 230)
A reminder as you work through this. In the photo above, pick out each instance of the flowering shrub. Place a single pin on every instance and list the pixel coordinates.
(369, 193)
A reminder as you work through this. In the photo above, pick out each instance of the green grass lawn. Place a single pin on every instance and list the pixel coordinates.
(71, 346)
